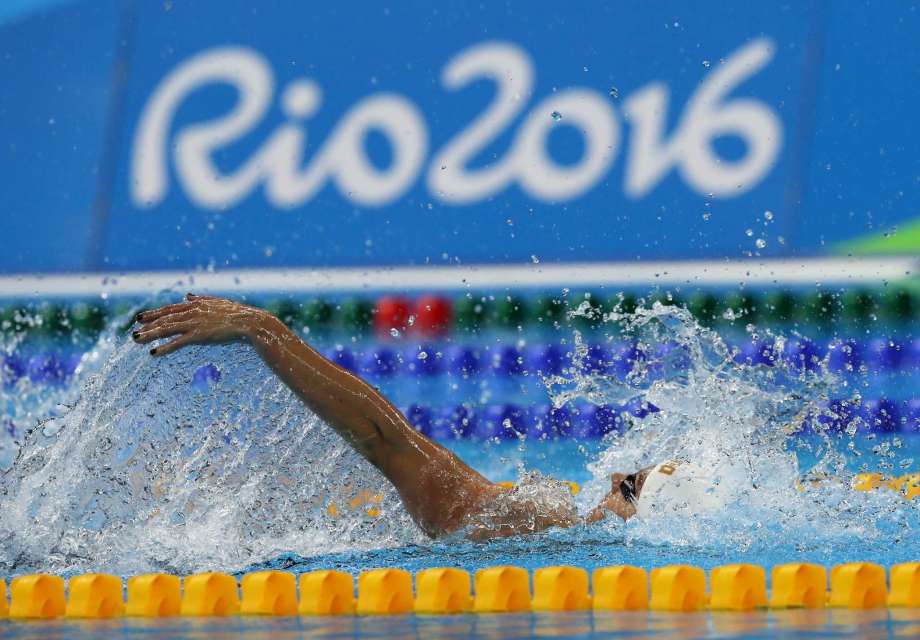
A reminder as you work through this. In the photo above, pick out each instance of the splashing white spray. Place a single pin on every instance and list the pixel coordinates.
(739, 422)
(150, 471)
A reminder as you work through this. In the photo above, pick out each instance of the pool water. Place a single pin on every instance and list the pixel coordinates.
(777, 624)
(203, 461)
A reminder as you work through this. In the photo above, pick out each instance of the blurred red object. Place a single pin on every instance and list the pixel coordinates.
(391, 315)
(433, 315)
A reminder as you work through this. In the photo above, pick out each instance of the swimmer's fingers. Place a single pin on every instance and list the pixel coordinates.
(164, 330)
(154, 314)
(172, 318)
(174, 344)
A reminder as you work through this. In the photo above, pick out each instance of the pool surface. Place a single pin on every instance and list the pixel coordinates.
(781, 624)
(202, 461)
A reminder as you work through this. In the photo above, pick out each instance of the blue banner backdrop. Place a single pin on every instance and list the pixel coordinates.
(224, 133)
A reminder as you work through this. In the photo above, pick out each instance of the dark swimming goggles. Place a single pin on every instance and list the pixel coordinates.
(628, 488)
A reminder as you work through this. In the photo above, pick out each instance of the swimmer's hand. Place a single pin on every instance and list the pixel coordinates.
(199, 320)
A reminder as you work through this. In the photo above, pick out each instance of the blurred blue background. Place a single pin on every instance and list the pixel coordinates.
(611, 155)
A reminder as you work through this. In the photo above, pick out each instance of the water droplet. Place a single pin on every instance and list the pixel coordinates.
(411, 320)
(394, 332)
(706, 215)
(422, 355)
(556, 116)
(706, 63)
(749, 232)
(768, 215)
(534, 259)
(614, 92)
(760, 243)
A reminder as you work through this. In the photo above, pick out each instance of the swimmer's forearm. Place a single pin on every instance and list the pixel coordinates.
(350, 405)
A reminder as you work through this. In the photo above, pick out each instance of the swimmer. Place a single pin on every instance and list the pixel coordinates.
(441, 493)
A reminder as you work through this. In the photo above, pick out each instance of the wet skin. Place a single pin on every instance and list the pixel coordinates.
(441, 492)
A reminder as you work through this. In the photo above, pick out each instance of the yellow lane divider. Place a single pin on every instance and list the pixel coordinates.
(155, 595)
(384, 591)
(738, 587)
(37, 596)
(327, 593)
(799, 586)
(501, 590)
(95, 595)
(442, 590)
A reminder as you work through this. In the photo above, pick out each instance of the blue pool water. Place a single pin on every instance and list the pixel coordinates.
(202, 460)
(776, 624)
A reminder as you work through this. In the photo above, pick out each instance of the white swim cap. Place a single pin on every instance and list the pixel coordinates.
(683, 488)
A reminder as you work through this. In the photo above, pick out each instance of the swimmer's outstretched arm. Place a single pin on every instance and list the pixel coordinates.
(440, 491)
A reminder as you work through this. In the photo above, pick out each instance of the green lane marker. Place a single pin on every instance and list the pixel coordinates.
(87, 318)
(356, 314)
(704, 307)
(858, 305)
(509, 311)
(898, 304)
(471, 313)
(780, 306)
(744, 305)
(284, 310)
(548, 310)
(316, 314)
(822, 307)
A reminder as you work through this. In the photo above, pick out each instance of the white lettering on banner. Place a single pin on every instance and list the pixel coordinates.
(277, 161)
(277, 164)
(252, 77)
(703, 120)
(512, 72)
(527, 161)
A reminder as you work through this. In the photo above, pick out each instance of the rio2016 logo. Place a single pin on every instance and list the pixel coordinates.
(277, 163)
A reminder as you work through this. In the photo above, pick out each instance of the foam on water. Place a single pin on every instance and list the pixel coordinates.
(147, 466)
(738, 421)
(148, 470)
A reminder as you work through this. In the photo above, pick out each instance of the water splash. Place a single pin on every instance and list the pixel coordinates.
(738, 421)
(148, 471)
(203, 460)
